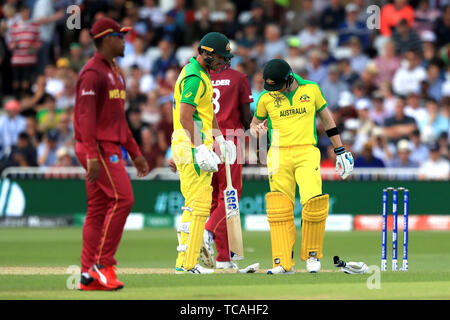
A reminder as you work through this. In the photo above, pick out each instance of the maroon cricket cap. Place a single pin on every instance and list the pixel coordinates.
(105, 26)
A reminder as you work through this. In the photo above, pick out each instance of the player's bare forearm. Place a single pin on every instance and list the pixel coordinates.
(187, 121)
(328, 123)
(246, 115)
(216, 129)
(257, 126)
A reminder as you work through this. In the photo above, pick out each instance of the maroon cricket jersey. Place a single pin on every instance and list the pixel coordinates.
(230, 89)
(99, 113)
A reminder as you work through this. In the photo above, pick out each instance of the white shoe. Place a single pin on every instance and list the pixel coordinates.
(197, 269)
(280, 270)
(226, 265)
(207, 251)
(312, 265)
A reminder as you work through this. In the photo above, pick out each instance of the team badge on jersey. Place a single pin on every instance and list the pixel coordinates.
(114, 158)
(305, 98)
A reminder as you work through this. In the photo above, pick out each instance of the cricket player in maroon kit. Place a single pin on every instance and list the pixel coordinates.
(231, 99)
(100, 131)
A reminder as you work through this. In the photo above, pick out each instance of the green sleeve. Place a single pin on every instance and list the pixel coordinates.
(192, 88)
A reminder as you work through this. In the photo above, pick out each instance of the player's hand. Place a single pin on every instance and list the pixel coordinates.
(93, 170)
(141, 166)
(172, 166)
(259, 129)
(206, 159)
(227, 149)
(344, 160)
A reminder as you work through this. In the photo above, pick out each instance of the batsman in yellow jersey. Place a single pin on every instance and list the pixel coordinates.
(287, 111)
(195, 128)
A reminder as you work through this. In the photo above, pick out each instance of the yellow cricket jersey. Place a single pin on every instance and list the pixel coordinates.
(291, 117)
(194, 87)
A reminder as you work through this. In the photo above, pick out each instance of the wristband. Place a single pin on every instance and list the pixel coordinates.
(220, 139)
(332, 132)
(339, 150)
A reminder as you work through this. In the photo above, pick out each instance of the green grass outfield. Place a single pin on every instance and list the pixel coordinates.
(146, 260)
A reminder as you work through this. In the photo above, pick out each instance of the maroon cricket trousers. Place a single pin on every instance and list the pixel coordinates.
(109, 202)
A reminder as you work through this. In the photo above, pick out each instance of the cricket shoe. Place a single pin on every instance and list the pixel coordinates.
(280, 270)
(90, 284)
(313, 265)
(207, 251)
(226, 265)
(106, 276)
(197, 269)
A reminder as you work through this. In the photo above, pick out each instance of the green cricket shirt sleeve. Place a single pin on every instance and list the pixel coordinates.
(192, 89)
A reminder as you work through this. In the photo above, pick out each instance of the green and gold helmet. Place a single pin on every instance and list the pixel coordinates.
(217, 43)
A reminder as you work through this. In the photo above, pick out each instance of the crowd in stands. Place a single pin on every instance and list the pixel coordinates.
(386, 79)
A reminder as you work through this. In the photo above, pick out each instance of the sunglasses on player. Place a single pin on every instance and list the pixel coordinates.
(116, 34)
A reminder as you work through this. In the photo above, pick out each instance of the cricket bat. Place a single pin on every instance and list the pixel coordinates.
(234, 231)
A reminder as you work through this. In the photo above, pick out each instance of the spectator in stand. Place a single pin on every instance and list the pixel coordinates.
(429, 48)
(54, 84)
(399, 126)
(150, 149)
(231, 25)
(393, 13)
(86, 43)
(257, 85)
(46, 151)
(316, 70)
(444, 145)
(387, 63)
(365, 123)
(389, 99)
(435, 80)
(275, 46)
(11, 125)
(65, 132)
(358, 59)
(172, 32)
(146, 82)
(135, 98)
(135, 123)
(406, 39)
(259, 17)
(382, 149)
(311, 36)
(24, 42)
(351, 27)
(298, 19)
(23, 154)
(76, 58)
(67, 98)
(407, 79)
(332, 16)
(137, 57)
(442, 28)
(201, 26)
(367, 159)
(436, 167)
(403, 158)
(425, 16)
(151, 13)
(45, 15)
(250, 35)
(378, 113)
(47, 115)
(183, 16)
(64, 158)
(434, 122)
(414, 108)
(164, 128)
(368, 78)
(333, 86)
(347, 73)
(165, 61)
(31, 128)
(419, 152)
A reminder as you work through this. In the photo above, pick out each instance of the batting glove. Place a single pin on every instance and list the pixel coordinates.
(206, 159)
(344, 160)
(227, 149)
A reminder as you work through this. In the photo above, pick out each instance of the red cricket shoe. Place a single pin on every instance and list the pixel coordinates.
(90, 284)
(106, 276)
